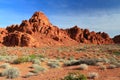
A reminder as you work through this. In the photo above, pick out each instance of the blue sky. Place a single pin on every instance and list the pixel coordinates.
(98, 15)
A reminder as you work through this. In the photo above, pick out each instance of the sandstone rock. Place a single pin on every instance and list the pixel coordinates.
(116, 39)
(38, 31)
(85, 36)
(3, 33)
(19, 39)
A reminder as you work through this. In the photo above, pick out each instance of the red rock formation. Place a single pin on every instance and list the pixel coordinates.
(116, 39)
(85, 36)
(3, 33)
(38, 28)
(38, 31)
(19, 39)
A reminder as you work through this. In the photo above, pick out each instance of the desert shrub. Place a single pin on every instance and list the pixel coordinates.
(105, 60)
(11, 72)
(40, 56)
(32, 56)
(112, 66)
(116, 53)
(1, 58)
(81, 61)
(53, 64)
(38, 68)
(21, 60)
(29, 74)
(83, 66)
(71, 58)
(43, 59)
(93, 75)
(117, 65)
(99, 64)
(89, 61)
(7, 58)
(60, 59)
(102, 67)
(71, 62)
(36, 61)
(74, 76)
(5, 65)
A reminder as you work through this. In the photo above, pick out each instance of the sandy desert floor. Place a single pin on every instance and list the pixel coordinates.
(57, 62)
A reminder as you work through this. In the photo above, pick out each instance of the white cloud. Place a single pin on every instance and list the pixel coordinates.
(107, 23)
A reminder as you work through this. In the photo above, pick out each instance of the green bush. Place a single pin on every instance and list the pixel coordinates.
(116, 53)
(74, 76)
(21, 60)
(11, 72)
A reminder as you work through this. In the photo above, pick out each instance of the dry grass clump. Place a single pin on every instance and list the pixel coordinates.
(83, 66)
(93, 75)
(11, 72)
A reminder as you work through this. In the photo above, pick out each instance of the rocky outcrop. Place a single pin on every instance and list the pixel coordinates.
(38, 31)
(19, 39)
(3, 33)
(39, 28)
(116, 39)
(85, 36)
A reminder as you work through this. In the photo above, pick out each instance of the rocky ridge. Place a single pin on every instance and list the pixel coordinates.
(38, 31)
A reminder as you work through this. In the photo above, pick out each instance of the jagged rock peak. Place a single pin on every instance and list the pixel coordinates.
(40, 17)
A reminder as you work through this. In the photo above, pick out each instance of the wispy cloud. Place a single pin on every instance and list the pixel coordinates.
(107, 22)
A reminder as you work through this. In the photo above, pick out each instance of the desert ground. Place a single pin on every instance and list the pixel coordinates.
(93, 62)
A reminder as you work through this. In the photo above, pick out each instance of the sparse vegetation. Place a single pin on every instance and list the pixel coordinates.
(74, 76)
(54, 64)
(116, 53)
(101, 57)
(111, 66)
(36, 61)
(81, 61)
(102, 67)
(29, 74)
(11, 72)
(21, 60)
(5, 65)
(38, 68)
(93, 75)
(83, 66)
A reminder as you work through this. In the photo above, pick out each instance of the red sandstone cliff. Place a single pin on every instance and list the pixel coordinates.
(38, 31)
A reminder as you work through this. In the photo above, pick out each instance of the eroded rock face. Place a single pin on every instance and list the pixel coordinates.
(19, 39)
(3, 33)
(116, 39)
(85, 36)
(38, 31)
